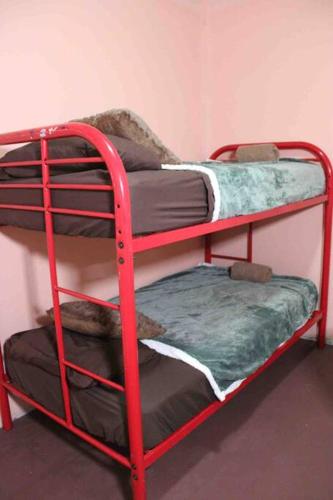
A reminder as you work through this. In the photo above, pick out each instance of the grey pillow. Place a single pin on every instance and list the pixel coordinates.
(99, 321)
(257, 152)
(71, 147)
(125, 123)
(133, 156)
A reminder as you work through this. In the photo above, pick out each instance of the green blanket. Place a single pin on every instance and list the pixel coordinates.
(223, 327)
(245, 188)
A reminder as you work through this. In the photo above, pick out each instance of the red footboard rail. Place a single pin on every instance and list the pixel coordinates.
(126, 247)
(125, 269)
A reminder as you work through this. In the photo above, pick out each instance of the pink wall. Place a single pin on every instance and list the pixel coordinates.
(270, 71)
(201, 73)
(68, 59)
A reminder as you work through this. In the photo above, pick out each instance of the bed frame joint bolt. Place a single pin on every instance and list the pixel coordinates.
(121, 260)
(135, 477)
(121, 244)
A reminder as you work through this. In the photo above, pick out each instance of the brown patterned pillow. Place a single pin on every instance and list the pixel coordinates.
(99, 321)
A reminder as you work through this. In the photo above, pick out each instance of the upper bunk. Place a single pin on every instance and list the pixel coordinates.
(92, 191)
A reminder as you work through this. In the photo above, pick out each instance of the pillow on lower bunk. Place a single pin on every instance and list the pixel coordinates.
(101, 356)
(99, 321)
(72, 147)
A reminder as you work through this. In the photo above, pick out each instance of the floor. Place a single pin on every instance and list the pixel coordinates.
(274, 441)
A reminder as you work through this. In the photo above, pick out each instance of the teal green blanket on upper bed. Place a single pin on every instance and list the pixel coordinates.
(245, 188)
(225, 328)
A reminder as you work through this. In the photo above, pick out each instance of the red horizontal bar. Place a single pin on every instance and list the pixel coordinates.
(83, 435)
(69, 161)
(228, 257)
(29, 208)
(21, 186)
(74, 187)
(55, 161)
(142, 243)
(13, 164)
(82, 213)
(81, 187)
(90, 374)
(63, 211)
(152, 455)
(88, 298)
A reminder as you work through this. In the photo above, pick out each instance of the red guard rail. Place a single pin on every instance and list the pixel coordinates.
(126, 247)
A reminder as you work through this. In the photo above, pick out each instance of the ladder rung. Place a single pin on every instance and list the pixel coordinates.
(88, 298)
(82, 213)
(90, 374)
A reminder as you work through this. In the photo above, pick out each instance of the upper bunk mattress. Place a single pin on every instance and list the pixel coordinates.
(247, 188)
(177, 196)
(161, 200)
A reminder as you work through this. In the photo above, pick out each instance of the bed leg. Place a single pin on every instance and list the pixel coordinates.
(250, 242)
(138, 484)
(6, 416)
(321, 338)
(208, 248)
(325, 282)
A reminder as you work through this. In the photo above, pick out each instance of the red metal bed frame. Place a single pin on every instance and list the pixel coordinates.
(127, 246)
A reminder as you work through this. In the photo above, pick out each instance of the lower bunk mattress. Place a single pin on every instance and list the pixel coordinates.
(218, 331)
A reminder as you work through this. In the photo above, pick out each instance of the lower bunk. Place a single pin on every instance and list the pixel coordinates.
(218, 333)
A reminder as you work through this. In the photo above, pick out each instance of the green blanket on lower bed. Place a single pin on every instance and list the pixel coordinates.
(223, 327)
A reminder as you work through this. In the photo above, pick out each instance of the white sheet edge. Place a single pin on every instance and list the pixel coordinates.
(174, 352)
(212, 178)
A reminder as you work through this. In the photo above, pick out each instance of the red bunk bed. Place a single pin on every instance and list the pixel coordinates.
(127, 246)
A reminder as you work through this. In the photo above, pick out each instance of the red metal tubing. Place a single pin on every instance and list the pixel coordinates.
(208, 248)
(55, 161)
(229, 257)
(250, 243)
(90, 374)
(29, 208)
(54, 282)
(71, 187)
(81, 187)
(82, 213)
(88, 298)
(6, 417)
(21, 186)
(326, 263)
(152, 455)
(318, 154)
(75, 430)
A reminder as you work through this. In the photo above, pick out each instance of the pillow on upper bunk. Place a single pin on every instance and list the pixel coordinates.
(72, 147)
(257, 152)
(133, 156)
(99, 321)
(127, 124)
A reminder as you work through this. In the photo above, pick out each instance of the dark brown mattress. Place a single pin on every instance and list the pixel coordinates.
(161, 200)
(172, 392)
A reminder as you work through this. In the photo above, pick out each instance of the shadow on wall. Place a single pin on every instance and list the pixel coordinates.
(88, 265)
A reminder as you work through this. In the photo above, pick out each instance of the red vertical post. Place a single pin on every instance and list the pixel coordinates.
(54, 281)
(6, 417)
(208, 248)
(325, 281)
(125, 268)
(130, 355)
(250, 242)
